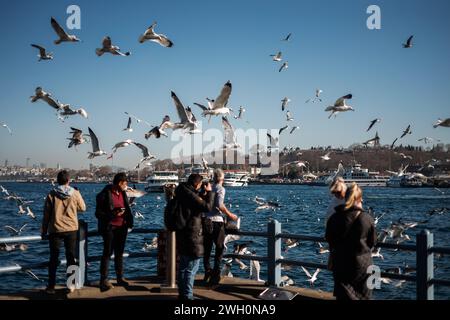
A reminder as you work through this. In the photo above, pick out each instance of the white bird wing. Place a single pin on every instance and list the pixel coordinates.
(307, 272)
(229, 137)
(41, 49)
(223, 97)
(316, 273)
(180, 108)
(11, 229)
(143, 148)
(94, 141)
(341, 101)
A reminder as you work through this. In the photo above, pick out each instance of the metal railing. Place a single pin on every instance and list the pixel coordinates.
(424, 248)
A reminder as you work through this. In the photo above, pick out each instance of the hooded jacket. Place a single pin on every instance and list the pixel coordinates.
(105, 207)
(60, 210)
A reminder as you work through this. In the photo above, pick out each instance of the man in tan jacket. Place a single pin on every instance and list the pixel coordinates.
(61, 223)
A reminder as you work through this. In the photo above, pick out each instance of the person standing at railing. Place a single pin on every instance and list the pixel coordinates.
(214, 230)
(114, 221)
(351, 235)
(190, 237)
(60, 221)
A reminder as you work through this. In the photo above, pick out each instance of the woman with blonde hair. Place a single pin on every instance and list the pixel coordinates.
(337, 190)
(351, 236)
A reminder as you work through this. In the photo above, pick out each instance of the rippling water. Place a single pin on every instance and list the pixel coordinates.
(302, 211)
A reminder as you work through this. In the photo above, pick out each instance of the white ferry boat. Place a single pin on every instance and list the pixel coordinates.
(158, 179)
(236, 179)
(406, 181)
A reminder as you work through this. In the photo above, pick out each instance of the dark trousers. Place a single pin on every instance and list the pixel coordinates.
(214, 234)
(70, 242)
(113, 241)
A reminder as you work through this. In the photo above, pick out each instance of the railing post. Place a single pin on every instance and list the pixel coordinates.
(82, 252)
(425, 267)
(171, 263)
(273, 253)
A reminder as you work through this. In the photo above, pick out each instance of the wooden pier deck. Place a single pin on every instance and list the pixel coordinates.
(148, 288)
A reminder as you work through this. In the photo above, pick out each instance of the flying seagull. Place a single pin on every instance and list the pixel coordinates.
(187, 119)
(276, 57)
(218, 106)
(287, 37)
(30, 213)
(406, 131)
(63, 36)
(128, 128)
(107, 47)
(408, 43)
(146, 155)
(159, 130)
(393, 143)
(14, 231)
(326, 157)
(43, 55)
(122, 144)
(67, 111)
(151, 35)
(230, 141)
(340, 106)
(372, 123)
(427, 140)
(282, 129)
(96, 152)
(293, 129)
(77, 137)
(442, 123)
(311, 278)
(284, 103)
(4, 125)
(138, 120)
(273, 142)
(241, 112)
(405, 156)
(283, 66)
(316, 97)
(289, 116)
(47, 97)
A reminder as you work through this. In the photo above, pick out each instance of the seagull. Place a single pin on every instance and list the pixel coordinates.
(405, 156)
(43, 55)
(290, 243)
(284, 103)
(408, 43)
(107, 47)
(68, 111)
(293, 129)
(4, 125)
(138, 215)
(377, 254)
(63, 36)
(21, 211)
(152, 245)
(393, 143)
(316, 97)
(312, 278)
(230, 141)
(255, 269)
(122, 144)
(30, 213)
(268, 205)
(283, 66)
(137, 119)
(442, 123)
(282, 129)
(276, 57)
(286, 281)
(326, 157)
(218, 106)
(150, 35)
(372, 123)
(187, 118)
(77, 137)
(340, 106)
(146, 155)
(128, 128)
(406, 131)
(289, 116)
(4, 190)
(299, 164)
(47, 97)
(322, 249)
(287, 37)
(96, 152)
(14, 231)
(427, 140)
(159, 130)
(241, 113)
(273, 142)
(204, 164)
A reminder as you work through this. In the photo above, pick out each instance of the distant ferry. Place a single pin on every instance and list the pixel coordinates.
(158, 179)
(356, 174)
(236, 179)
(406, 181)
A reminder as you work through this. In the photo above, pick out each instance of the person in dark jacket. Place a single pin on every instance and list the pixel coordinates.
(351, 235)
(190, 239)
(114, 220)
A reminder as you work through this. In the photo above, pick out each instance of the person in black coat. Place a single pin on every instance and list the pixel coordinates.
(114, 220)
(190, 239)
(351, 236)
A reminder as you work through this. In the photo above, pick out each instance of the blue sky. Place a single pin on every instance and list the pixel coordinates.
(215, 41)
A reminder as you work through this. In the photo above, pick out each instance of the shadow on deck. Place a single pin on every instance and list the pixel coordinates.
(148, 288)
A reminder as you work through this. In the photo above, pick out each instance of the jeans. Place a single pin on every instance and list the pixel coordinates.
(113, 241)
(55, 239)
(217, 236)
(187, 269)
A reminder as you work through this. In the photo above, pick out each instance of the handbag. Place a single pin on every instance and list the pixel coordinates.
(232, 226)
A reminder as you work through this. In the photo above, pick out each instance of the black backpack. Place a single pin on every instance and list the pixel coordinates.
(174, 218)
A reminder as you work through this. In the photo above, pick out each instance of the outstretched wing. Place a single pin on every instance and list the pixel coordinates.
(94, 140)
(341, 100)
(180, 108)
(143, 148)
(203, 107)
(41, 49)
(107, 42)
(307, 272)
(229, 137)
(223, 97)
(60, 31)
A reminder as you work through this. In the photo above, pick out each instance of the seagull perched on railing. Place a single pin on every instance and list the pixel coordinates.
(63, 35)
(151, 35)
(340, 106)
(107, 47)
(43, 55)
(218, 106)
(96, 152)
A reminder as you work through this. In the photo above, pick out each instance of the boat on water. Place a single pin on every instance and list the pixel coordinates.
(355, 173)
(158, 179)
(407, 181)
(236, 179)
